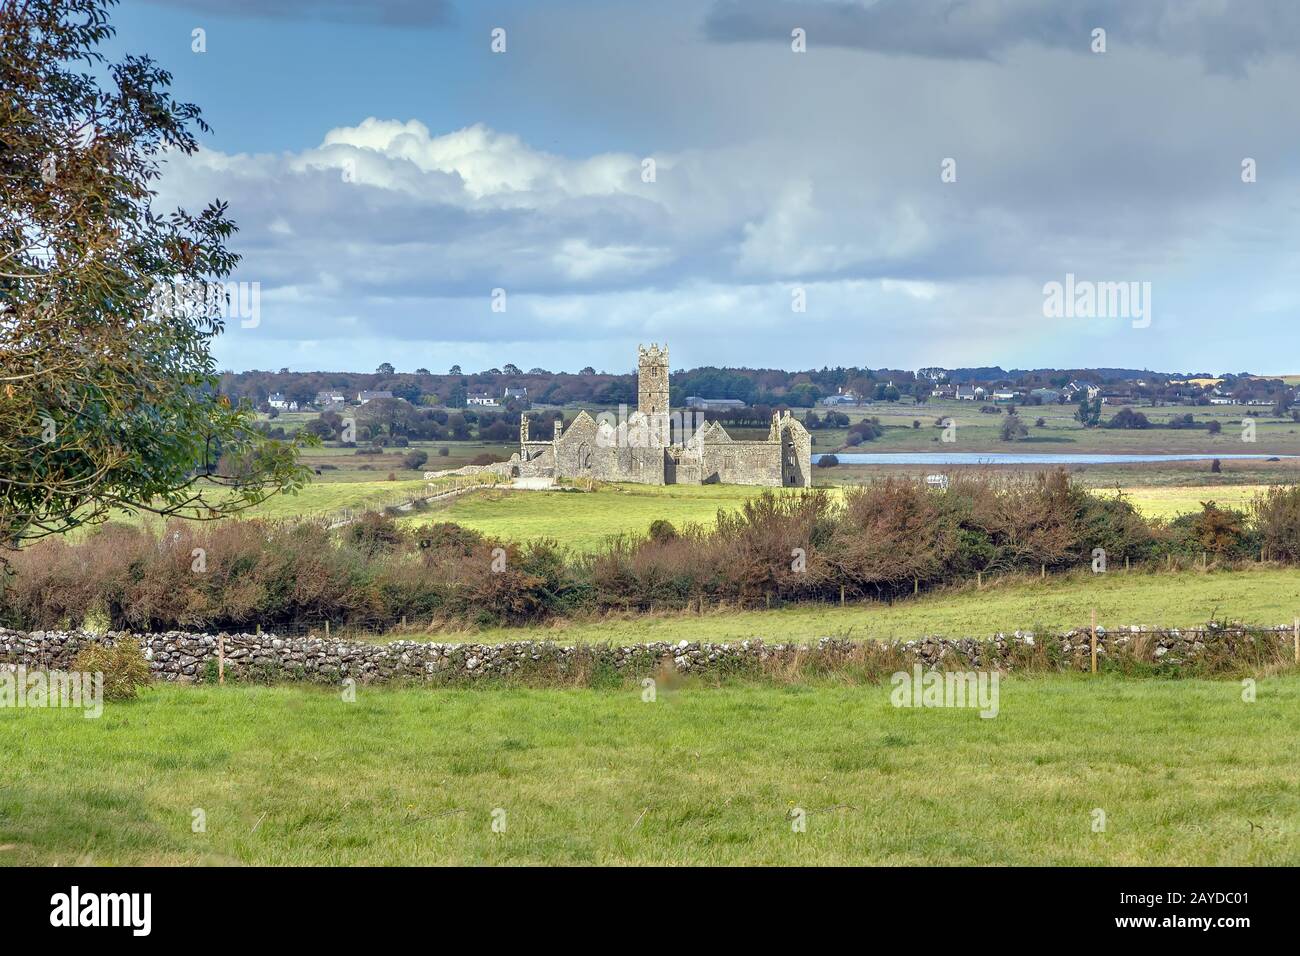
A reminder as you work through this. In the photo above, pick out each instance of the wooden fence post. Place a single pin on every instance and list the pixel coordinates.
(979, 580)
(327, 629)
(1094, 640)
(1297, 640)
(841, 595)
(221, 658)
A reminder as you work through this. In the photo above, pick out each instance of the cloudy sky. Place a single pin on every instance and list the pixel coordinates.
(388, 171)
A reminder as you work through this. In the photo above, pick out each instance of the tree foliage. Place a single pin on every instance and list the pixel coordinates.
(108, 393)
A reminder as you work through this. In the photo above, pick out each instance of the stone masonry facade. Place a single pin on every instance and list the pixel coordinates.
(644, 449)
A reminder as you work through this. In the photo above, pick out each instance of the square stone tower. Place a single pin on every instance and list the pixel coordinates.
(652, 381)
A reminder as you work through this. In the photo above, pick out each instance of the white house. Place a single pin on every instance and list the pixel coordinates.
(841, 398)
(481, 398)
(279, 402)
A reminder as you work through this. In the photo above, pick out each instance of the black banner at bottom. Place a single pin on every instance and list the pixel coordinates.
(334, 905)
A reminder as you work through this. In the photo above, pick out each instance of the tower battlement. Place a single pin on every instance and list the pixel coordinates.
(652, 353)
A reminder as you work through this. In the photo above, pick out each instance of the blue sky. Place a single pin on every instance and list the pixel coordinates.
(389, 171)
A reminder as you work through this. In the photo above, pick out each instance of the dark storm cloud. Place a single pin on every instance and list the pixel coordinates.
(1225, 34)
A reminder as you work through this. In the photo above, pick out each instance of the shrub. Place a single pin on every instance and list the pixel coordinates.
(827, 461)
(661, 530)
(374, 533)
(1276, 514)
(882, 540)
(449, 538)
(1012, 428)
(415, 459)
(1127, 418)
(1220, 531)
(869, 429)
(123, 665)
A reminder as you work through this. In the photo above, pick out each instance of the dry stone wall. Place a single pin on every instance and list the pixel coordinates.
(181, 656)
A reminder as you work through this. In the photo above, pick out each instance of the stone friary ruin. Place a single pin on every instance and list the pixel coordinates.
(655, 447)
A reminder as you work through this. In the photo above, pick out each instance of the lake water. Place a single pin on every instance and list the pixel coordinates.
(998, 458)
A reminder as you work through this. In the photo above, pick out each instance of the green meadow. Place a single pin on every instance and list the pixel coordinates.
(1265, 596)
(585, 520)
(1185, 772)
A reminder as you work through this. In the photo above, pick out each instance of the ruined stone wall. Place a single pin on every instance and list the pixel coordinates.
(681, 467)
(576, 447)
(537, 460)
(742, 463)
(579, 453)
(181, 656)
(796, 454)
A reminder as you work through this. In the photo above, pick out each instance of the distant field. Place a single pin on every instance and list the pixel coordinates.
(317, 499)
(584, 521)
(1185, 772)
(976, 431)
(344, 464)
(1266, 596)
(1171, 502)
(1061, 434)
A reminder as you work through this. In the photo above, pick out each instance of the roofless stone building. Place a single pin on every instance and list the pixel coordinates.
(654, 446)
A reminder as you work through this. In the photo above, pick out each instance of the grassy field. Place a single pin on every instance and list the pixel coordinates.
(585, 520)
(1060, 433)
(317, 499)
(1185, 772)
(1266, 596)
(1169, 503)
